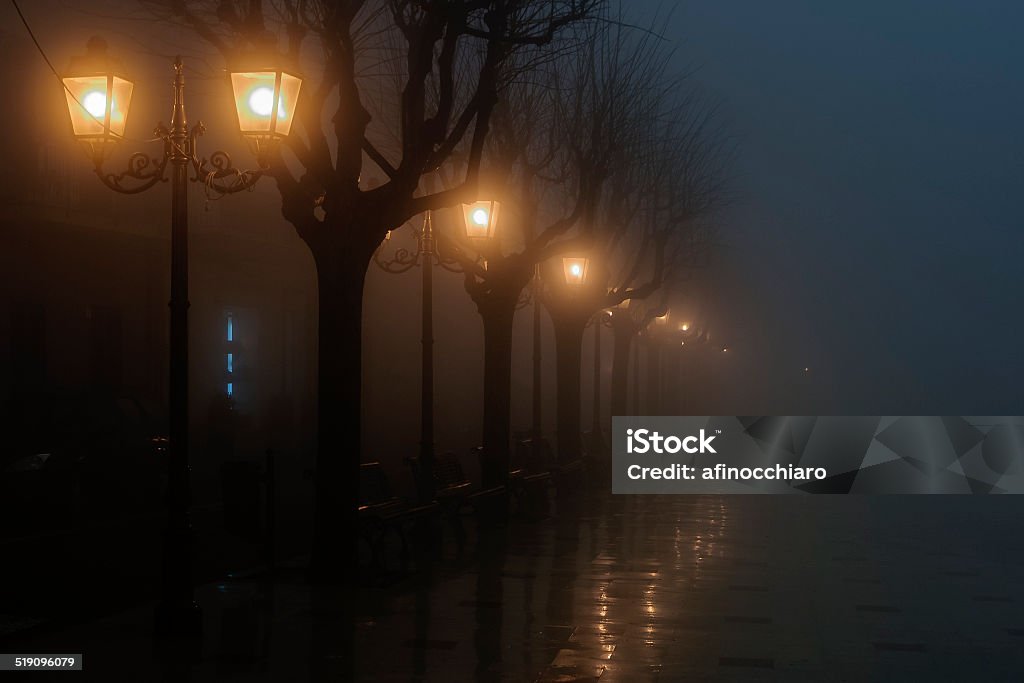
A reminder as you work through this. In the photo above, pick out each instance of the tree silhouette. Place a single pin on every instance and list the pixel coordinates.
(401, 85)
(648, 229)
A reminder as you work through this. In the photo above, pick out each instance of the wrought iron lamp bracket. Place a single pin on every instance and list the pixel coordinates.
(402, 261)
(142, 172)
(219, 166)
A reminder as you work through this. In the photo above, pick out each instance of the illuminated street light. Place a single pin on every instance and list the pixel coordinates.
(265, 101)
(481, 218)
(98, 96)
(575, 270)
(426, 257)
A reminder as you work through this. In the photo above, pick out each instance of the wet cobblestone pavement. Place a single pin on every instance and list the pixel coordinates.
(635, 589)
(724, 588)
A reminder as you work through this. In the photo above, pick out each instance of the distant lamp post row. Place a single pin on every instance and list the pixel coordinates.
(99, 96)
(480, 224)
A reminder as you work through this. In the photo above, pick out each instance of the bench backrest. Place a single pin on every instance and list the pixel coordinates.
(448, 470)
(374, 487)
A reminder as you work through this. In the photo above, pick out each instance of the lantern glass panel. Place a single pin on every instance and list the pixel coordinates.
(92, 99)
(264, 104)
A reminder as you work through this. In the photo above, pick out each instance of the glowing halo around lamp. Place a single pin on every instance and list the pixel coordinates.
(481, 218)
(575, 270)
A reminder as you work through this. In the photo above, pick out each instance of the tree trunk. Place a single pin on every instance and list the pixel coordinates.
(622, 344)
(340, 276)
(653, 377)
(568, 352)
(498, 315)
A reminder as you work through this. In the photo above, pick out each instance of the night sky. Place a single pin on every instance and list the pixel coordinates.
(878, 226)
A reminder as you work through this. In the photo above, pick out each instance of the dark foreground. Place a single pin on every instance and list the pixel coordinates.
(633, 589)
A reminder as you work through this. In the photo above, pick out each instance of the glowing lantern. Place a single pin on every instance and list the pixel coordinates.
(265, 101)
(97, 93)
(575, 269)
(481, 218)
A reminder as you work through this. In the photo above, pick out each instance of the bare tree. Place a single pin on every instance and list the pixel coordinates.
(553, 142)
(399, 84)
(645, 235)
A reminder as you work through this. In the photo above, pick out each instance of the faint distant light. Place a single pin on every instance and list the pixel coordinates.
(807, 369)
(231, 328)
(725, 349)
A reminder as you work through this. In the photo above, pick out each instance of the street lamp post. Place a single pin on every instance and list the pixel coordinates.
(536, 426)
(426, 256)
(480, 221)
(98, 97)
(597, 444)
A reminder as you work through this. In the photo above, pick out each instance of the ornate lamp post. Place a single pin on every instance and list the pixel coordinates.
(536, 417)
(480, 221)
(98, 98)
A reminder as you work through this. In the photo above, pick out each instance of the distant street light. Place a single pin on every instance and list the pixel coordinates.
(481, 218)
(575, 269)
(98, 97)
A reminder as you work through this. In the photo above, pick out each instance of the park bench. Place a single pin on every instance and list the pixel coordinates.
(382, 514)
(532, 483)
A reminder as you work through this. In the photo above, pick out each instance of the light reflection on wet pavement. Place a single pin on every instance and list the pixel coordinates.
(635, 589)
(721, 588)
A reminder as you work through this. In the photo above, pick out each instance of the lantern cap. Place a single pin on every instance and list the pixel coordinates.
(95, 61)
(265, 58)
